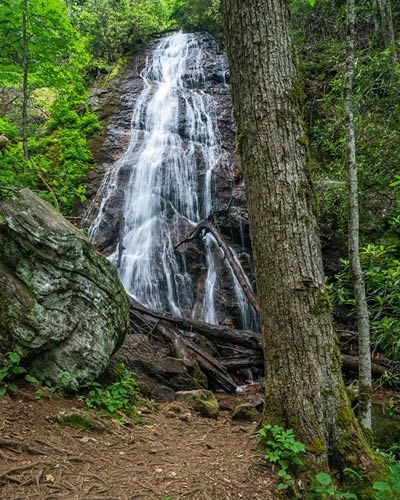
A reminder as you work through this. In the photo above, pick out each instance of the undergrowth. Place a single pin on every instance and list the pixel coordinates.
(118, 399)
(281, 449)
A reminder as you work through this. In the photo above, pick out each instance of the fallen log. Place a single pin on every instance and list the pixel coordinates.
(239, 362)
(182, 333)
(351, 363)
(218, 333)
(187, 350)
(208, 226)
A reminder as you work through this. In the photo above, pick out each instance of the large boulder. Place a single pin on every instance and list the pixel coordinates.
(62, 306)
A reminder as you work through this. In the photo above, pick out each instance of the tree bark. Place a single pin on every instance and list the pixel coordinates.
(385, 8)
(25, 70)
(304, 389)
(364, 344)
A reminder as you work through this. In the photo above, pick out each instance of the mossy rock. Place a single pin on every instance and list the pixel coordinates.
(202, 401)
(245, 412)
(62, 306)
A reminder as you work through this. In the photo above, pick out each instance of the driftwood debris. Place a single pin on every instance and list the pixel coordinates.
(218, 333)
(184, 337)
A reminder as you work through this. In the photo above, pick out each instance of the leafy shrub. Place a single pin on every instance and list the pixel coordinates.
(8, 129)
(281, 448)
(390, 488)
(117, 399)
(324, 487)
(382, 280)
(10, 370)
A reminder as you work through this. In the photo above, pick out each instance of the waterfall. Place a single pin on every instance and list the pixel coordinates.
(174, 146)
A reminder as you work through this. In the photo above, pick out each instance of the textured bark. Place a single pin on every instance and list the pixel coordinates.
(303, 385)
(364, 352)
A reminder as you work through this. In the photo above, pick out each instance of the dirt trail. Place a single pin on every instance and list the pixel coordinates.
(174, 456)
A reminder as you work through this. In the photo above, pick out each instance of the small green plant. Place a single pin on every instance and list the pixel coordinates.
(8, 372)
(117, 399)
(324, 487)
(282, 449)
(391, 487)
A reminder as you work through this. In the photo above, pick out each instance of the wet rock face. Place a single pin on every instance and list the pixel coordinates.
(114, 107)
(61, 303)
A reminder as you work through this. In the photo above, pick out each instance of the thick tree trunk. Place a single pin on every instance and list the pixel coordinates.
(304, 389)
(25, 89)
(364, 345)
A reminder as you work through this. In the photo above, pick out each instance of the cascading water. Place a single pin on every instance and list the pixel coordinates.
(174, 146)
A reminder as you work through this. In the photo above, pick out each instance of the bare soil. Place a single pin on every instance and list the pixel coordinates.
(174, 455)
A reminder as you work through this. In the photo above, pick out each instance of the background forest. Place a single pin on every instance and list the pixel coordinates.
(52, 52)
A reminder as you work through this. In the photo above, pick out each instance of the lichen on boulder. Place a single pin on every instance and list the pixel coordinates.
(62, 306)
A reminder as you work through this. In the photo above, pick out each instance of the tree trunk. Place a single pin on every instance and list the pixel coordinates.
(304, 389)
(364, 353)
(385, 8)
(25, 69)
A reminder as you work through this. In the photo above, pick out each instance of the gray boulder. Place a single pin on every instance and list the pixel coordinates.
(62, 305)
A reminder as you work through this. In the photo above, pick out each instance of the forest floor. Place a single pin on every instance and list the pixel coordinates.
(170, 456)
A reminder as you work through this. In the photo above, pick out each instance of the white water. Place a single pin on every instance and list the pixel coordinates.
(165, 196)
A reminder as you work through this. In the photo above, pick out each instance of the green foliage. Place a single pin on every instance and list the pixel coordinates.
(391, 487)
(198, 15)
(54, 47)
(10, 370)
(60, 155)
(381, 267)
(117, 399)
(319, 32)
(324, 488)
(8, 129)
(112, 27)
(281, 448)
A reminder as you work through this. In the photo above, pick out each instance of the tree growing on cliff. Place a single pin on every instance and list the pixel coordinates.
(304, 389)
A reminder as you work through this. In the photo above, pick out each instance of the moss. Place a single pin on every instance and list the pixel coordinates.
(322, 303)
(202, 401)
(198, 376)
(317, 446)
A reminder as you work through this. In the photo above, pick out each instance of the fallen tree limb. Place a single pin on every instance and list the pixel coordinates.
(181, 334)
(208, 226)
(218, 333)
(351, 363)
(187, 350)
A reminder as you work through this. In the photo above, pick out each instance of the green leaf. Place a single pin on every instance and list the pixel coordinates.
(12, 387)
(32, 380)
(2, 390)
(17, 370)
(283, 486)
(324, 478)
(381, 486)
(14, 357)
